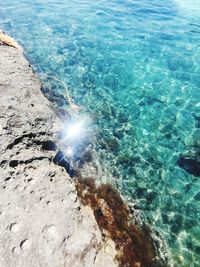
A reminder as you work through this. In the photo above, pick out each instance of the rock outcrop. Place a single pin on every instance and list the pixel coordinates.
(42, 222)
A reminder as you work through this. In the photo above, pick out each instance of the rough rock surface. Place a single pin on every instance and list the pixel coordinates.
(42, 222)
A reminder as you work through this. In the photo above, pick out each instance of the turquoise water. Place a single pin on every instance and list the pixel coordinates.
(134, 66)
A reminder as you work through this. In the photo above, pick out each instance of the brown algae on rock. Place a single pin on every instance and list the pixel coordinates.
(134, 245)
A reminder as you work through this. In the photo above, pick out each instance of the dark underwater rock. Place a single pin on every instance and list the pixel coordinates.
(165, 218)
(112, 143)
(189, 223)
(197, 196)
(122, 118)
(191, 211)
(177, 224)
(188, 187)
(128, 160)
(197, 120)
(192, 166)
(119, 133)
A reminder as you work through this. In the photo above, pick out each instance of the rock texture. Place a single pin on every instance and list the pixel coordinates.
(42, 222)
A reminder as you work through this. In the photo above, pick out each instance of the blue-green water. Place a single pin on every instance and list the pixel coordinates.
(135, 67)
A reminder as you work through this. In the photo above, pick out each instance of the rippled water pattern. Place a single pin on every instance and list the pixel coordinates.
(135, 67)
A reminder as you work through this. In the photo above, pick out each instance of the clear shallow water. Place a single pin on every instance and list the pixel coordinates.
(135, 67)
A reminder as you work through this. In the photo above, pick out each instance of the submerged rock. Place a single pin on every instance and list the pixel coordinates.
(112, 143)
(135, 244)
(197, 196)
(192, 166)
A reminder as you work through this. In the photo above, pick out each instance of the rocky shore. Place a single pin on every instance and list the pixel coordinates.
(42, 221)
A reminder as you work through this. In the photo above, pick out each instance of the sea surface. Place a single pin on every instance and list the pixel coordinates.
(134, 67)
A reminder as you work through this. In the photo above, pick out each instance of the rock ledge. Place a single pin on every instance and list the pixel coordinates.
(42, 222)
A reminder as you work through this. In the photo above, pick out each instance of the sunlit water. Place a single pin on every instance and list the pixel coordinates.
(135, 67)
